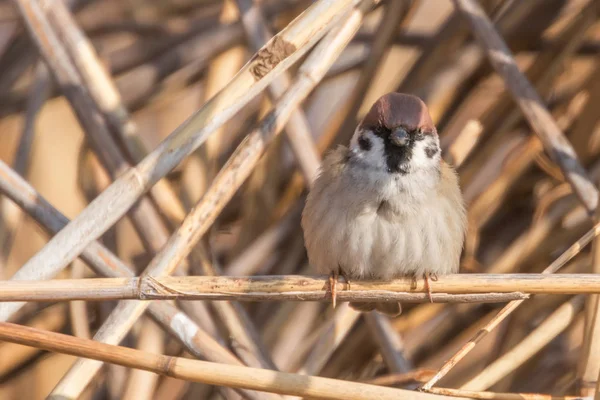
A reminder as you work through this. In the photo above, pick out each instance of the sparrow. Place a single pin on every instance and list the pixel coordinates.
(387, 206)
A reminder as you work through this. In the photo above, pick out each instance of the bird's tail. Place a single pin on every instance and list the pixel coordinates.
(392, 309)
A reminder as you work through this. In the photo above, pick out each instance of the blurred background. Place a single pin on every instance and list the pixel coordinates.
(167, 58)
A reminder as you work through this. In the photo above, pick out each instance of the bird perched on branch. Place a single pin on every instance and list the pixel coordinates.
(388, 205)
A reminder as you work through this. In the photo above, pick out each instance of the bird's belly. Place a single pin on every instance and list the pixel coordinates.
(376, 248)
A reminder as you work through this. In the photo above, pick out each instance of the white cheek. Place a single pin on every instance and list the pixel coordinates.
(420, 159)
(375, 156)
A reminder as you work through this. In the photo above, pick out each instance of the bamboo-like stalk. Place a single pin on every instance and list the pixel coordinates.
(588, 120)
(545, 69)
(552, 326)
(141, 385)
(78, 309)
(266, 244)
(335, 332)
(565, 257)
(418, 375)
(389, 342)
(284, 49)
(530, 103)
(588, 367)
(220, 71)
(249, 151)
(196, 340)
(10, 216)
(12, 356)
(299, 288)
(249, 346)
(206, 372)
(501, 396)
(297, 129)
(286, 337)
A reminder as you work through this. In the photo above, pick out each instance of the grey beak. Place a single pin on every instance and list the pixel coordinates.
(399, 137)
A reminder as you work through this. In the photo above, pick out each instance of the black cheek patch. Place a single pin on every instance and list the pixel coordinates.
(365, 143)
(431, 151)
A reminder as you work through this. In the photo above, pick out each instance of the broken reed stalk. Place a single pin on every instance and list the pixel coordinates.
(565, 257)
(205, 372)
(281, 52)
(530, 103)
(300, 288)
(103, 262)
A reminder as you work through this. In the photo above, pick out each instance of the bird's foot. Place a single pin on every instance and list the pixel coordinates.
(333, 282)
(343, 275)
(427, 276)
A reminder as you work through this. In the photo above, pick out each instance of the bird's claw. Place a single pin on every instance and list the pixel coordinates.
(333, 278)
(333, 281)
(429, 276)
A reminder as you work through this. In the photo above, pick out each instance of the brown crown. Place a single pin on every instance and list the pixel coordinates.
(398, 109)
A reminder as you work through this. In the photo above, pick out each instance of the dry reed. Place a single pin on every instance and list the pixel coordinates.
(155, 126)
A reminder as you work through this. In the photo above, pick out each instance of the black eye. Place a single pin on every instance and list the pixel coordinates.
(364, 143)
(418, 134)
(381, 131)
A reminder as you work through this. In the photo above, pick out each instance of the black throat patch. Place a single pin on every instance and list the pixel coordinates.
(397, 158)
